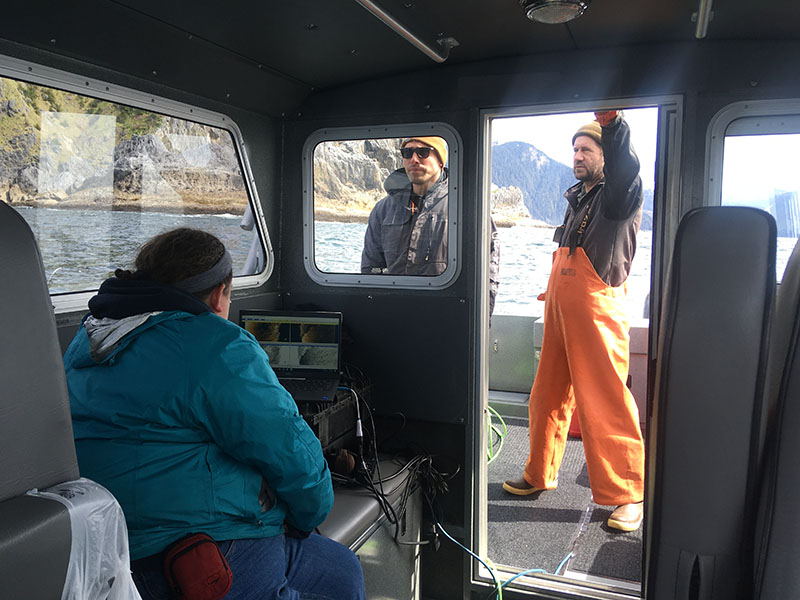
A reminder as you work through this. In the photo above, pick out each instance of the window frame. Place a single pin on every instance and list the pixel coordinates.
(755, 117)
(455, 205)
(667, 195)
(29, 72)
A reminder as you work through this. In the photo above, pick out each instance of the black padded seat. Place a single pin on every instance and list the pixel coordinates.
(777, 556)
(704, 438)
(36, 445)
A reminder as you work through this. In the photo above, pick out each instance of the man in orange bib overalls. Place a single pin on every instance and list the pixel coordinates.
(584, 357)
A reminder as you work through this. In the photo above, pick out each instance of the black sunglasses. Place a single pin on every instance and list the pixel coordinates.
(422, 151)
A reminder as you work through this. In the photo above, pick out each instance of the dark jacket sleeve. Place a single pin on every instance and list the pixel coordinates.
(372, 255)
(623, 186)
(494, 266)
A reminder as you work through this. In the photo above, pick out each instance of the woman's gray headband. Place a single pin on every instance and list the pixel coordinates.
(207, 279)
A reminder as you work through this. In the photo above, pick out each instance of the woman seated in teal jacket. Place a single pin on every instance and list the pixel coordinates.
(177, 412)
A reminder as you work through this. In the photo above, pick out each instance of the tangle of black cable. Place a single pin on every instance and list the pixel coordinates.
(421, 474)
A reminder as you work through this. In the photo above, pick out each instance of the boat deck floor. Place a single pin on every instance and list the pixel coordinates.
(559, 529)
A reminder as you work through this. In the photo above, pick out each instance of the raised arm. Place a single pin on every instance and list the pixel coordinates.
(622, 182)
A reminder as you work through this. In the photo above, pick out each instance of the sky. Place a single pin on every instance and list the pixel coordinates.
(754, 166)
(552, 134)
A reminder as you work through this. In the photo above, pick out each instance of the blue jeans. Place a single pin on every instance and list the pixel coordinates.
(278, 568)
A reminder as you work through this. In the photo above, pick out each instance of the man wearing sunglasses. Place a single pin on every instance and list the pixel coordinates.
(407, 230)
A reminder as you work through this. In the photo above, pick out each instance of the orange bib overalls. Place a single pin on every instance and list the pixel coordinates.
(584, 365)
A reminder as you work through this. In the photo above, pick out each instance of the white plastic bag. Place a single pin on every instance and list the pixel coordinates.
(99, 566)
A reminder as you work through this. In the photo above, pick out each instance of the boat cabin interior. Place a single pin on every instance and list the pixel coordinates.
(277, 126)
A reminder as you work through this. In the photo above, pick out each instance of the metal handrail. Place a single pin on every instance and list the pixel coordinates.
(438, 54)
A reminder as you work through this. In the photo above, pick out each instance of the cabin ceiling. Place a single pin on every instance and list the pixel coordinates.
(268, 56)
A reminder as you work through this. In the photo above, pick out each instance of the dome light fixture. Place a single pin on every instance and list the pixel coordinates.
(553, 11)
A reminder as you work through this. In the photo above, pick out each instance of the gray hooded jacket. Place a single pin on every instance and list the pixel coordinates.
(402, 241)
(399, 241)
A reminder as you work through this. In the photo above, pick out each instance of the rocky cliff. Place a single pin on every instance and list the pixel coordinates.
(67, 150)
(349, 176)
(508, 208)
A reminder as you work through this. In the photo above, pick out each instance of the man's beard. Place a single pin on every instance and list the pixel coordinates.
(584, 175)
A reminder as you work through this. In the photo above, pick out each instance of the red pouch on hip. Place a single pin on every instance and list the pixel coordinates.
(195, 568)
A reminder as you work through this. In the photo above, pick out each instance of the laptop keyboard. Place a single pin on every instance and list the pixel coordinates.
(306, 385)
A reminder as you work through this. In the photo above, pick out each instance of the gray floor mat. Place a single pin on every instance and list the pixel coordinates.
(539, 531)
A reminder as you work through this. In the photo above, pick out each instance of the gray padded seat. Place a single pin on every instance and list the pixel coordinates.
(704, 444)
(356, 514)
(36, 445)
(777, 557)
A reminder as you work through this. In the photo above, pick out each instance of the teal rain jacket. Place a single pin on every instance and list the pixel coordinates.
(184, 421)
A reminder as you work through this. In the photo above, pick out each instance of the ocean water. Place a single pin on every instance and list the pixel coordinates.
(80, 248)
(526, 254)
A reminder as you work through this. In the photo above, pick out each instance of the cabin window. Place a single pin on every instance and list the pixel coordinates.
(758, 171)
(376, 217)
(95, 179)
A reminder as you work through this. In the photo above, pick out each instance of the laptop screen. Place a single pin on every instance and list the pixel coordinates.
(297, 341)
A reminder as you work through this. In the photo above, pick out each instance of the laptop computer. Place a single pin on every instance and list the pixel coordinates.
(304, 349)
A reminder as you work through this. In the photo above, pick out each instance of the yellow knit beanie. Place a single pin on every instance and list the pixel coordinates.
(434, 142)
